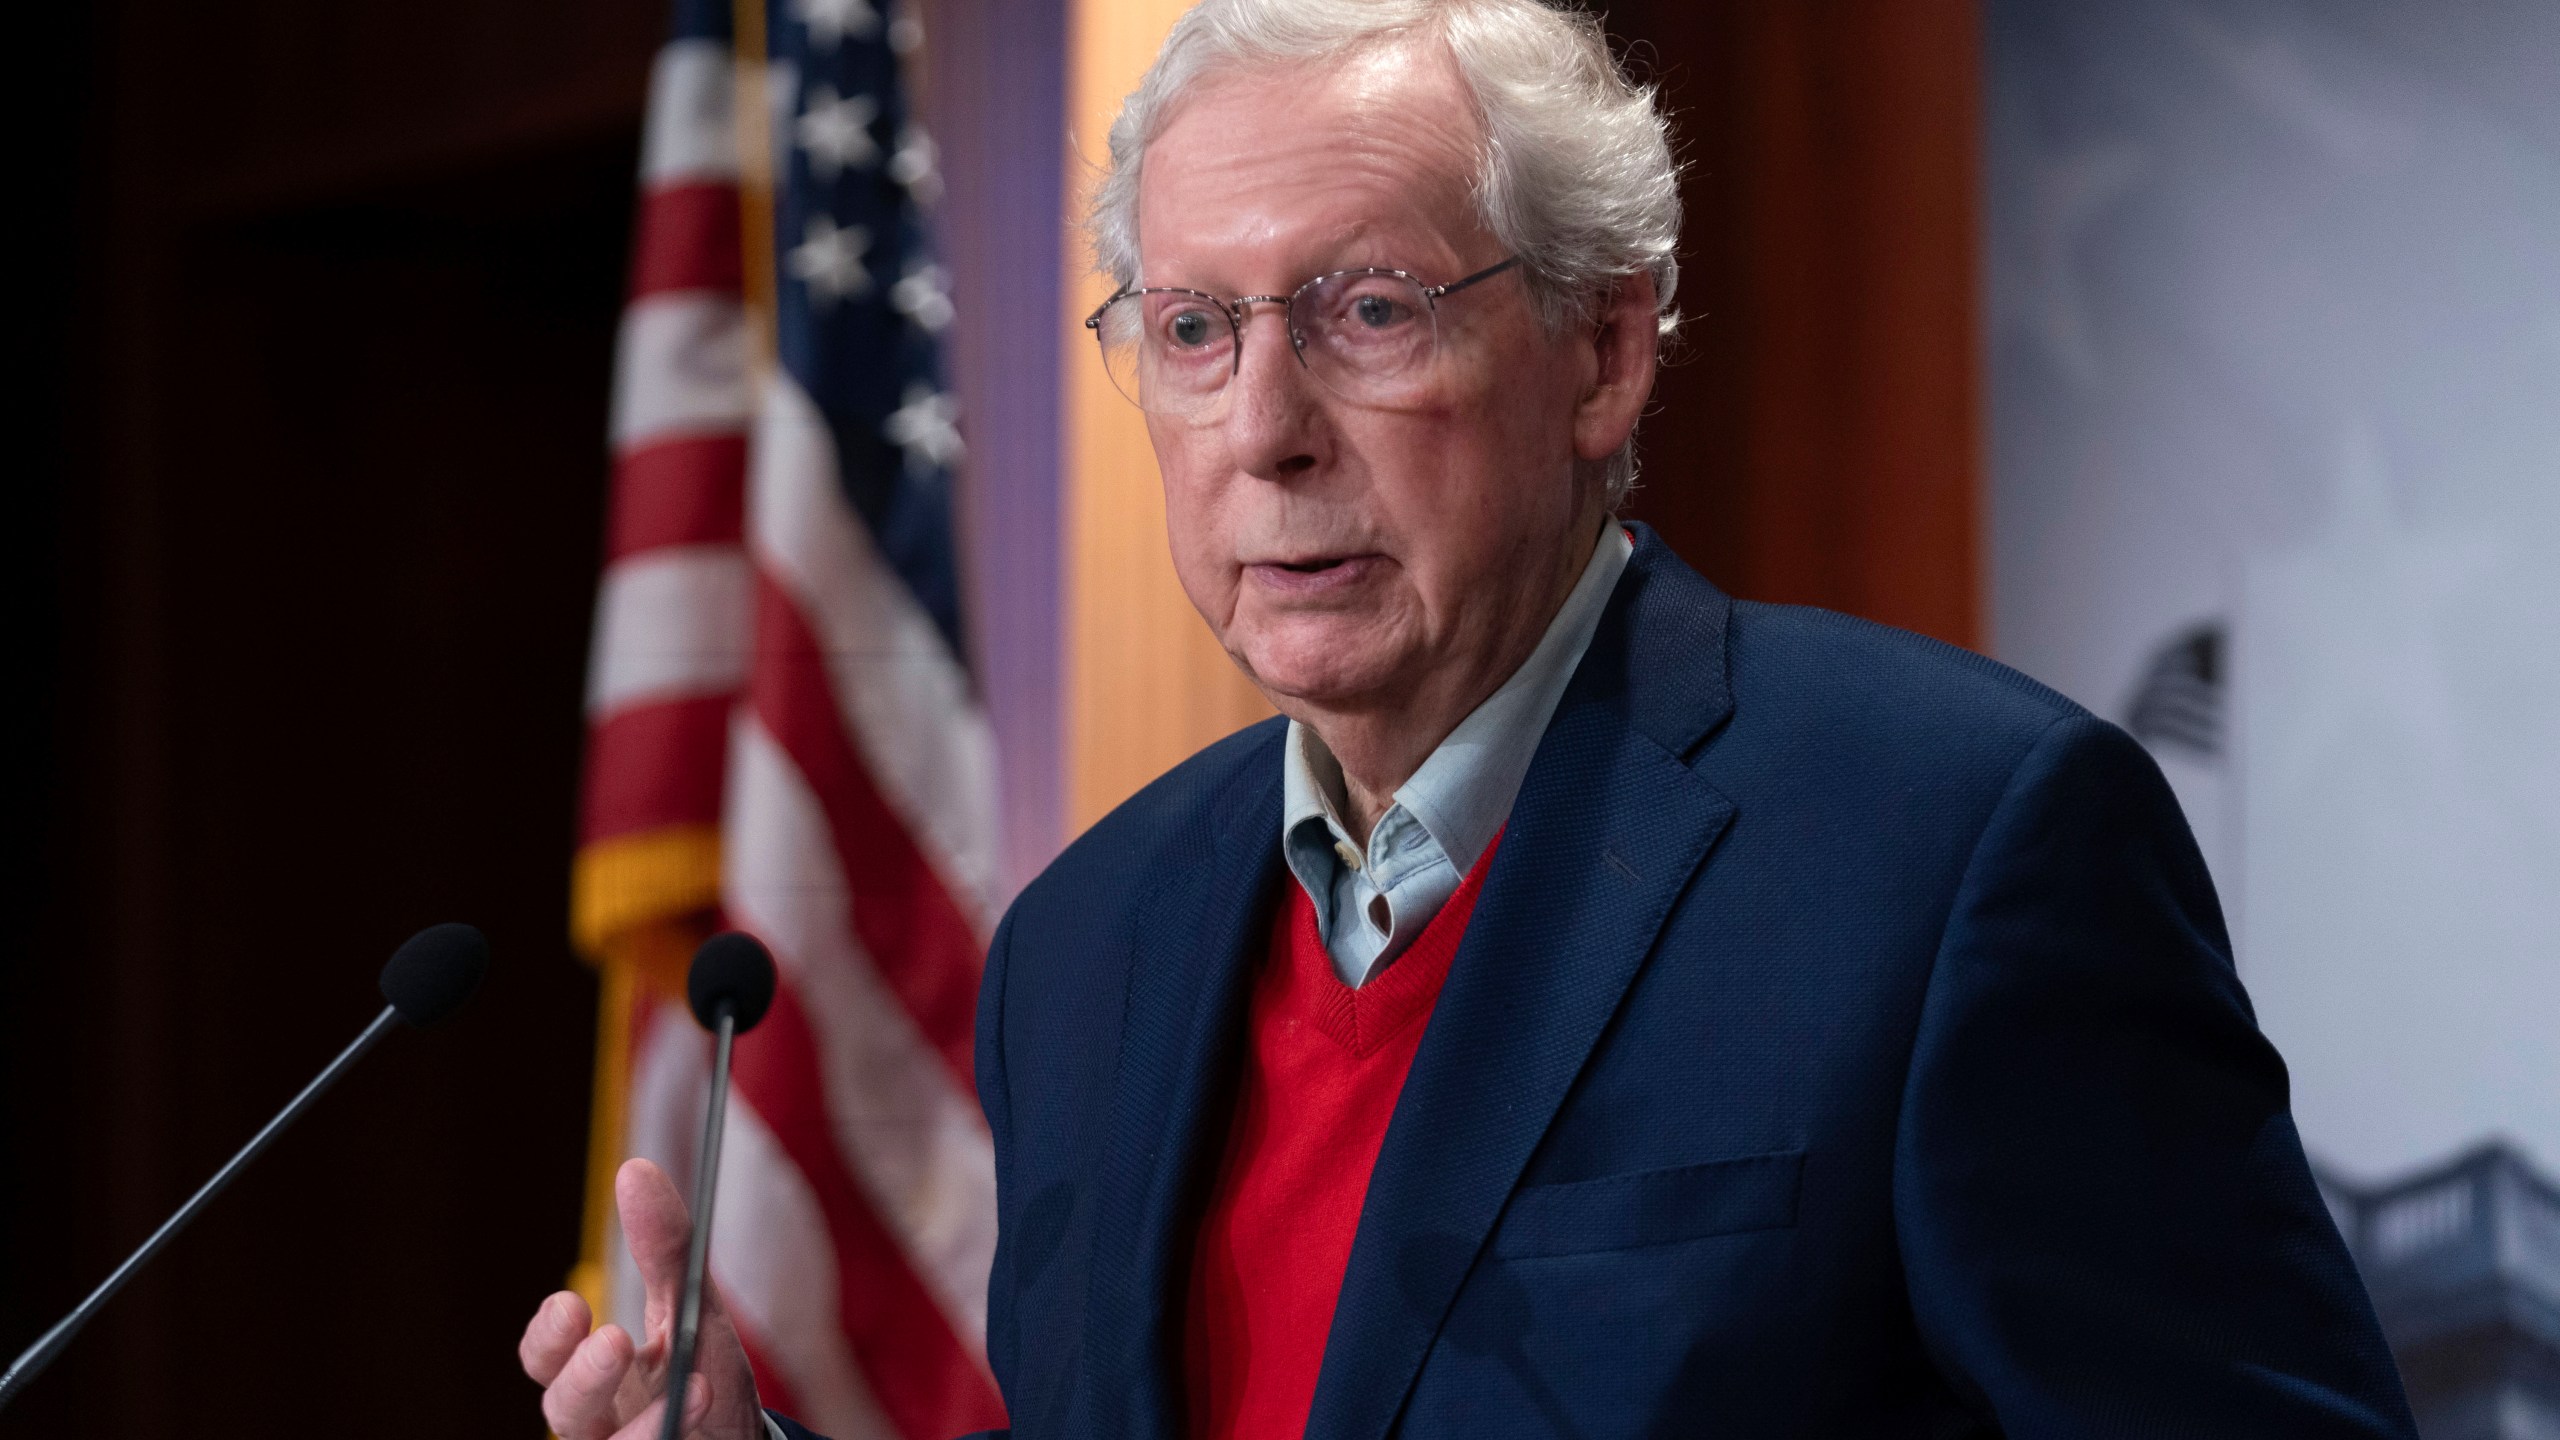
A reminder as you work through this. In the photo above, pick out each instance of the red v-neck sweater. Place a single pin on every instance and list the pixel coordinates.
(1324, 1066)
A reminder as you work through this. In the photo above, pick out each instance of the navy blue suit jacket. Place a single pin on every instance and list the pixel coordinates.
(1846, 1044)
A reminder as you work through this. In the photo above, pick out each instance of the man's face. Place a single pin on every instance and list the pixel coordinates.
(1351, 557)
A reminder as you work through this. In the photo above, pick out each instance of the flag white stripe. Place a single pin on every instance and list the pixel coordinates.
(913, 715)
(680, 368)
(671, 623)
(690, 135)
(911, 1135)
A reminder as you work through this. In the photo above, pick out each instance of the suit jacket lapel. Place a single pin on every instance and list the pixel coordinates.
(1609, 828)
(1192, 951)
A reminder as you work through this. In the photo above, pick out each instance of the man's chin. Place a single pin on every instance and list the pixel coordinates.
(1320, 677)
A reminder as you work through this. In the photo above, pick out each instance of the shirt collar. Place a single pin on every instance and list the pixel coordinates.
(1462, 794)
(1309, 779)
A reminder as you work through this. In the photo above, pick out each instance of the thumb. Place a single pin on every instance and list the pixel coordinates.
(658, 1229)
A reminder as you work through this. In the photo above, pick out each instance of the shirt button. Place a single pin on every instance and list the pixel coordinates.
(1343, 851)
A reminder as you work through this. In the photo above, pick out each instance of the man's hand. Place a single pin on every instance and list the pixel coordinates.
(602, 1386)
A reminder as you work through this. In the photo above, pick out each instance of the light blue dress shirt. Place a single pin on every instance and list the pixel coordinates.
(1370, 903)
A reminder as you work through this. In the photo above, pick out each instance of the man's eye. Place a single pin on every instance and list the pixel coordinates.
(1190, 329)
(1377, 311)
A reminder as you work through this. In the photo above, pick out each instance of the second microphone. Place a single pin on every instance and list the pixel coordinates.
(729, 987)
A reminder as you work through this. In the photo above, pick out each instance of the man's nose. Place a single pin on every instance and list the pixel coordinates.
(1274, 423)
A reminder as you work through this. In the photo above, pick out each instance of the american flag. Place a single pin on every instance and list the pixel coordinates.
(783, 734)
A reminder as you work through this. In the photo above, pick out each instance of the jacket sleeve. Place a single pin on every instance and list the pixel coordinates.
(995, 1099)
(2107, 1223)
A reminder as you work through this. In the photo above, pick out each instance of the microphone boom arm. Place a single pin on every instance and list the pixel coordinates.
(48, 1345)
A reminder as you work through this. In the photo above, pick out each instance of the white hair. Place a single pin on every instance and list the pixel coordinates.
(1576, 173)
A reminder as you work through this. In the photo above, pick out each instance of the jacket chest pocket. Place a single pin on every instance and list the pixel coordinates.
(1652, 1207)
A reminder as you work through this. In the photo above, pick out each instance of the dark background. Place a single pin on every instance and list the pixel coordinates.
(302, 557)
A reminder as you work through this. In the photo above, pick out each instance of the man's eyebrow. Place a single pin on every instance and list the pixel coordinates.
(1363, 245)
(1370, 245)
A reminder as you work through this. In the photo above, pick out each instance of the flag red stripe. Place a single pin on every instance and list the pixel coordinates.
(690, 490)
(686, 238)
(924, 1380)
(655, 764)
(903, 913)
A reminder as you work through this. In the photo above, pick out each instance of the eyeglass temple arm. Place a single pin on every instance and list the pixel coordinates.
(1454, 286)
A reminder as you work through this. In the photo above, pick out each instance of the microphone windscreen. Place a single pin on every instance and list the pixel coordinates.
(434, 971)
(734, 971)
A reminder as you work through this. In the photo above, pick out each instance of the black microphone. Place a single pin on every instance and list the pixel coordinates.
(729, 987)
(426, 980)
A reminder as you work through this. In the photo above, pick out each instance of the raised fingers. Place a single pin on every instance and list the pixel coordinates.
(552, 1335)
(579, 1405)
(645, 1425)
(657, 1228)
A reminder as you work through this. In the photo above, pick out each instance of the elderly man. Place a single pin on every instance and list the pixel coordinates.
(1601, 1007)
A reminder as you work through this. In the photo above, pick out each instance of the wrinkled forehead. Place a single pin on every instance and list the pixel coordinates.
(1262, 175)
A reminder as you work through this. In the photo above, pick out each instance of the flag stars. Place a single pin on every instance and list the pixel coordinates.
(926, 428)
(923, 295)
(836, 132)
(828, 260)
(830, 21)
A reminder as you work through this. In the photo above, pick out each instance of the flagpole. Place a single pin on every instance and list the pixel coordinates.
(755, 179)
(642, 901)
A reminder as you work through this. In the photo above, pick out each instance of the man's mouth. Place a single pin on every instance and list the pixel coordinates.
(1312, 574)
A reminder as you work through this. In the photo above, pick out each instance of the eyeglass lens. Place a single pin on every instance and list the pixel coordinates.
(1368, 335)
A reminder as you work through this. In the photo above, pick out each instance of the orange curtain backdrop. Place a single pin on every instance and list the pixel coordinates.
(1819, 441)
(1816, 438)
(1146, 682)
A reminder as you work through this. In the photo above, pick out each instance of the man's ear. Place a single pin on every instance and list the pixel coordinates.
(1625, 338)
